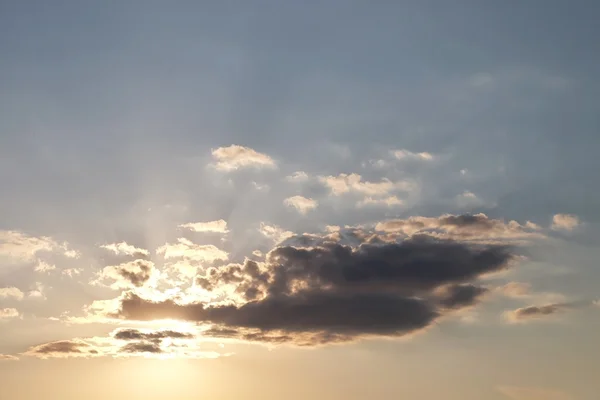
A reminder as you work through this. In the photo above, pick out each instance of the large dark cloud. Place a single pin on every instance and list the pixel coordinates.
(334, 292)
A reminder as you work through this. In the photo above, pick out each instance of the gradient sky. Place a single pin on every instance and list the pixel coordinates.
(299, 199)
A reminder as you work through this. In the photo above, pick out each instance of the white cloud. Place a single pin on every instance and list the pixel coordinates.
(531, 393)
(43, 266)
(38, 291)
(566, 222)
(302, 204)
(468, 199)
(185, 248)
(274, 232)
(219, 226)
(298, 176)
(403, 154)
(388, 201)
(344, 183)
(124, 248)
(13, 292)
(71, 272)
(22, 247)
(7, 313)
(235, 157)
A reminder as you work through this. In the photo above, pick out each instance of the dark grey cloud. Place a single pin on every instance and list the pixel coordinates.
(136, 272)
(533, 312)
(63, 348)
(459, 296)
(334, 292)
(142, 347)
(134, 334)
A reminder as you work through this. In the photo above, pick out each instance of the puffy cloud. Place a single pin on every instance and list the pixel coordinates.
(298, 176)
(345, 183)
(219, 226)
(38, 291)
(43, 266)
(302, 204)
(409, 155)
(20, 246)
(124, 248)
(274, 232)
(71, 272)
(7, 313)
(13, 292)
(127, 275)
(334, 292)
(566, 222)
(185, 248)
(532, 393)
(235, 157)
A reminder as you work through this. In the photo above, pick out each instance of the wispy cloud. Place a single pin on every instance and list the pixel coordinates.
(219, 226)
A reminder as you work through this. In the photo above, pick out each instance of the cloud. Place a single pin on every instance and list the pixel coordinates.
(334, 292)
(126, 343)
(63, 348)
(478, 227)
(136, 334)
(346, 183)
(468, 199)
(528, 313)
(235, 157)
(13, 292)
(274, 232)
(533, 393)
(38, 291)
(20, 246)
(43, 266)
(409, 155)
(302, 204)
(7, 313)
(516, 289)
(124, 248)
(127, 275)
(459, 296)
(71, 272)
(566, 222)
(8, 357)
(298, 176)
(218, 226)
(186, 249)
(142, 347)
(388, 201)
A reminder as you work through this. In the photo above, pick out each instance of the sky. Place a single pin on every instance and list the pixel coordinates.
(333, 199)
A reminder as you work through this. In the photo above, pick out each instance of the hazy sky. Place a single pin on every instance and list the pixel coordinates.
(269, 200)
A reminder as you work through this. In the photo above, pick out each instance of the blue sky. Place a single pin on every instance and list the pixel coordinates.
(139, 122)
